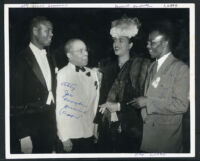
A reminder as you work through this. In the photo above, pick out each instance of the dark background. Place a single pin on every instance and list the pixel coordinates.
(19, 27)
(93, 26)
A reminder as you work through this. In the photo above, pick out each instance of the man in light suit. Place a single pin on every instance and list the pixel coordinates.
(77, 96)
(33, 92)
(165, 98)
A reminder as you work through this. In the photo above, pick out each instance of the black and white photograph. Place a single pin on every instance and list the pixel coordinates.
(97, 80)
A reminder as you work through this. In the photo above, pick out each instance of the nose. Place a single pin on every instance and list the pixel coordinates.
(116, 43)
(148, 45)
(51, 33)
(85, 52)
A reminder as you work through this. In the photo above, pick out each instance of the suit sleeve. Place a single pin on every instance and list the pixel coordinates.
(178, 101)
(17, 83)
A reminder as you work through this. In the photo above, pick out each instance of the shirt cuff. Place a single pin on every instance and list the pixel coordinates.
(114, 117)
(118, 106)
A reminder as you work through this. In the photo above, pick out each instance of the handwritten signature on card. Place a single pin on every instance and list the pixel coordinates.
(66, 111)
(69, 115)
(69, 85)
(78, 108)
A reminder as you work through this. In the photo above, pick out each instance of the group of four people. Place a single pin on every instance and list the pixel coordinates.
(132, 105)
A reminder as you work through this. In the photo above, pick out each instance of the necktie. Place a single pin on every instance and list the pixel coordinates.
(83, 70)
(154, 70)
(80, 69)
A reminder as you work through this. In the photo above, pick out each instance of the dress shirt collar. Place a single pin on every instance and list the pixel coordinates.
(162, 60)
(36, 50)
(74, 68)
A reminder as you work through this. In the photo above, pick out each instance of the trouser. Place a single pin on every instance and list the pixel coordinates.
(128, 143)
(83, 145)
(40, 126)
(114, 141)
(45, 138)
(108, 138)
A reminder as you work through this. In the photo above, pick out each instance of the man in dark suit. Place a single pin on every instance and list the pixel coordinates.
(32, 92)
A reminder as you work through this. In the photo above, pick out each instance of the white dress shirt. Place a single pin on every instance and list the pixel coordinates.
(162, 60)
(77, 97)
(41, 58)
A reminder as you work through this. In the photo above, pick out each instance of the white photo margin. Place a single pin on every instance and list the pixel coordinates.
(190, 6)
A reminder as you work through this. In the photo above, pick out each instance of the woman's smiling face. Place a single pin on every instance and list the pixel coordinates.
(121, 45)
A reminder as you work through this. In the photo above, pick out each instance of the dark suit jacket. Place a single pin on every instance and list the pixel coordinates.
(28, 96)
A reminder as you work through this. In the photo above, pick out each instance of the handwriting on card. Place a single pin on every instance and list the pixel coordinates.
(73, 108)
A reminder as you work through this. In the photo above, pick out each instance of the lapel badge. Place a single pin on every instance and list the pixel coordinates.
(156, 82)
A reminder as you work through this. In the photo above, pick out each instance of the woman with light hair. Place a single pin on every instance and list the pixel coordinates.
(124, 122)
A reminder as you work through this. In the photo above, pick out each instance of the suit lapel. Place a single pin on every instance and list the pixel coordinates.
(166, 65)
(51, 66)
(53, 75)
(163, 69)
(31, 60)
(148, 79)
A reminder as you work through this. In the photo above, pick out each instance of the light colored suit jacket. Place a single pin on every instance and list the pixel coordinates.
(167, 101)
(76, 102)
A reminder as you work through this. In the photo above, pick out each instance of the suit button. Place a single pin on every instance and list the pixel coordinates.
(39, 99)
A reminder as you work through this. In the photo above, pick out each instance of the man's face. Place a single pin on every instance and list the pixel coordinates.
(121, 45)
(156, 44)
(44, 33)
(78, 54)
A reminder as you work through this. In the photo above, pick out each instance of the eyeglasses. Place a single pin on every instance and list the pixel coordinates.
(155, 41)
(81, 50)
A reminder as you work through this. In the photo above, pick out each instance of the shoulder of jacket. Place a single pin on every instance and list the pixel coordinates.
(141, 60)
(20, 58)
(63, 70)
(179, 64)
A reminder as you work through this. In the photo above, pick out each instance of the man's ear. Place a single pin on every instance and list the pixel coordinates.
(166, 43)
(35, 30)
(68, 55)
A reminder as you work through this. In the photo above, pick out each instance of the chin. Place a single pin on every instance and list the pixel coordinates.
(85, 64)
(48, 43)
(117, 53)
(153, 57)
